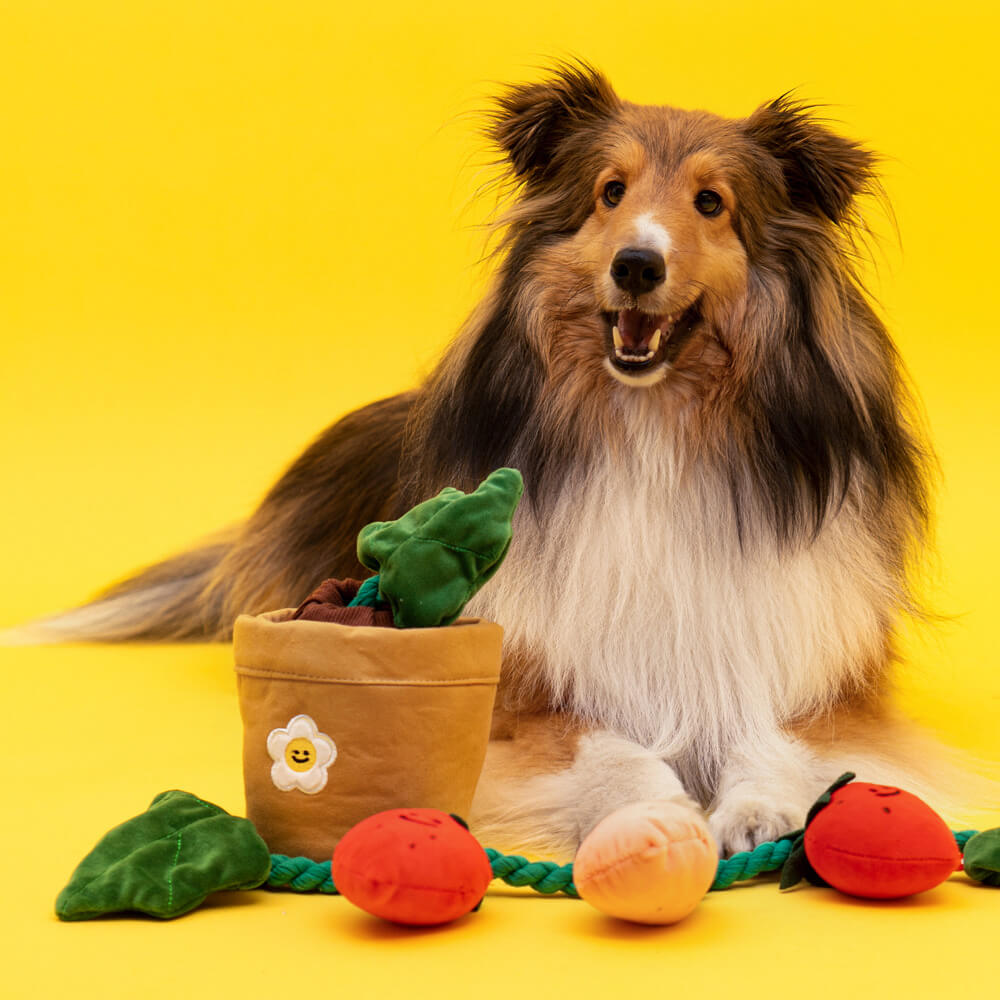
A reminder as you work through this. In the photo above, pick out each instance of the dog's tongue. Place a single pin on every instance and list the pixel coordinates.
(637, 328)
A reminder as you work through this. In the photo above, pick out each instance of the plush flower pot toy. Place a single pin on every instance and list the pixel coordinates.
(344, 714)
(341, 722)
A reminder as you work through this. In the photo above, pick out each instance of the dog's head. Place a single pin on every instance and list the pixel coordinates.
(678, 281)
(643, 227)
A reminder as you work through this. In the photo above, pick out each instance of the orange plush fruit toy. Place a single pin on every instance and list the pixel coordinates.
(648, 862)
(873, 841)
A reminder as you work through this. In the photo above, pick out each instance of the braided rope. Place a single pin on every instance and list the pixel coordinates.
(744, 865)
(367, 595)
(304, 875)
(300, 875)
(543, 876)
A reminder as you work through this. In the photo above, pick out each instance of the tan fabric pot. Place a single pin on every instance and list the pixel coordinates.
(342, 722)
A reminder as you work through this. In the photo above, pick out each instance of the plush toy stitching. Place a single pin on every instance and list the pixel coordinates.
(648, 851)
(166, 836)
(417, 888)
(875, 857)
(210, 805)
(458, 548)
(173, 866)
(364, 681)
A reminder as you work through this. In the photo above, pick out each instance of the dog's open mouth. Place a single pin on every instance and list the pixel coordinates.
(638, 341)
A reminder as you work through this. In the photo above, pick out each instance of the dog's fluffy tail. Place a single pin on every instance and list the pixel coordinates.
(174, 600)
(885, 747)
(304, 529)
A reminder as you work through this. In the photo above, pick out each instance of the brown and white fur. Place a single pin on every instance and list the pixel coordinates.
(716, 541)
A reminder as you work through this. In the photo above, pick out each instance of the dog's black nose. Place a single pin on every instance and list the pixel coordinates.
(637, 271)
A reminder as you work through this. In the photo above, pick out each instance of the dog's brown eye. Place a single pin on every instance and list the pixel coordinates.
(614, 191)
(708, 202)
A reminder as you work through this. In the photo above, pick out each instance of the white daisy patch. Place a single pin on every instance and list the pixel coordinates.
(301, 755)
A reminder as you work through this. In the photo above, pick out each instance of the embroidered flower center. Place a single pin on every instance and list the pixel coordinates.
(300, 754)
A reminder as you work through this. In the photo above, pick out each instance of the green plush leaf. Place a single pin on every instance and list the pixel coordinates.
(824, 800)
(165, 861)
(798, 867)
(436, 556)
(981, 857)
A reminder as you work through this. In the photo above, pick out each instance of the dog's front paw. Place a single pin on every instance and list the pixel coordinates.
(745, 819)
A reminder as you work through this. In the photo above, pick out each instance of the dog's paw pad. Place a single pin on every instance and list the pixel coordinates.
(740, 823)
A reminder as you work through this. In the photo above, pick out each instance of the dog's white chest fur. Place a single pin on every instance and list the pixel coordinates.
(646, 616)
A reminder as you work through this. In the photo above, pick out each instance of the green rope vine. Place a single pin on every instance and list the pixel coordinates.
(300, 875)
(745, 865)
(543, 876)
(367, 595)
(304, 875)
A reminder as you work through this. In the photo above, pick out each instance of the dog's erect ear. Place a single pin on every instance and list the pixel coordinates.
(530, 121)
(823, 171)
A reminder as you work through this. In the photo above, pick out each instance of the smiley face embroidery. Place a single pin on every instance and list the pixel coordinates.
(301, 756)
(884, 791)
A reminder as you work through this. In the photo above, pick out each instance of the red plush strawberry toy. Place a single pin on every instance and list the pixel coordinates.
(874, 841)
(412, 866)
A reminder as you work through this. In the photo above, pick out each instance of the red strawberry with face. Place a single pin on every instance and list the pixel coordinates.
(875, 841)
(412, 866)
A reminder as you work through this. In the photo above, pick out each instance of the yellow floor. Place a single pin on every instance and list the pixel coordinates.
(221, 226)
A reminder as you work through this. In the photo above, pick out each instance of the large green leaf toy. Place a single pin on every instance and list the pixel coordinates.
(437, 555)
(165, 861)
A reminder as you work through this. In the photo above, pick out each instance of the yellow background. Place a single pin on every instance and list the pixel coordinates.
(224, 224)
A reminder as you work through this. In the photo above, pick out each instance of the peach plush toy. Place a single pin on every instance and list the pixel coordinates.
(649, 862)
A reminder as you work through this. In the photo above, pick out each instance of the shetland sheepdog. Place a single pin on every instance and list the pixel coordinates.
(726, 487)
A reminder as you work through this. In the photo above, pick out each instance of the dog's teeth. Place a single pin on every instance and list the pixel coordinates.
(617, 337)
(654, 343)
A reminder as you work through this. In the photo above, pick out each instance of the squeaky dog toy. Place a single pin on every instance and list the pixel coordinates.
(377, 695)
(872, 841)
(417, 867)
(649, 862)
